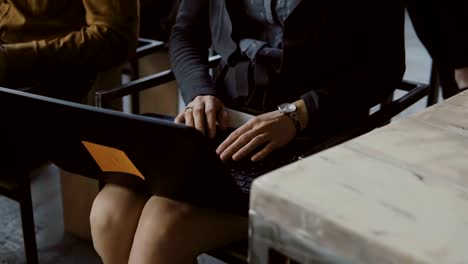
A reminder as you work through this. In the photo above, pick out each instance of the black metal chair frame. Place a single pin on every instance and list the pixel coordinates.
(145, 47)
(19, 189)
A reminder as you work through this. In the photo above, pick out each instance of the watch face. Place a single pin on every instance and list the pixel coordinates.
(287, 108)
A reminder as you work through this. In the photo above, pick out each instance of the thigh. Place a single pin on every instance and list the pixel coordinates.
(198, 229)
(114, 218)
(116, 211)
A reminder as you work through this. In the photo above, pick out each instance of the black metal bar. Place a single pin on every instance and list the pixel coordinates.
(135, 98)
(221, 254)
(133, 87)
(27, 220)
(148, 46)
(434, 84)
(377, 119)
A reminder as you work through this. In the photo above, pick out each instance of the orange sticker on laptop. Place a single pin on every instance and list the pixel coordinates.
(111, 159)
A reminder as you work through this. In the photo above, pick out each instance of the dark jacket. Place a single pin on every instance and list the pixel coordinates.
(47, 42)
(340, 56)
(442, 27)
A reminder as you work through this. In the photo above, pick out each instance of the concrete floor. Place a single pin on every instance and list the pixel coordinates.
(57, 247)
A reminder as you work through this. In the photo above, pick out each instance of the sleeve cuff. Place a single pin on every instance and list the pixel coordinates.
(311, 101)
(188, 96)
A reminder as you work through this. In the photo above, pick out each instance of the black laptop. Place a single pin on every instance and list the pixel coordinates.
(176, 161)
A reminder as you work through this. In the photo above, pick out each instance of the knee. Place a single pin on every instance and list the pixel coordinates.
(111, 211)
(104, 215)
(167, 214)
(164, 224)
(170, 231)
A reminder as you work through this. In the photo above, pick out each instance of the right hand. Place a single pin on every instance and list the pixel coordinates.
(204, 113)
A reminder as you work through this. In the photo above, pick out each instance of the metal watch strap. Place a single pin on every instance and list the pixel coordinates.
(295, 119)
(290, 110)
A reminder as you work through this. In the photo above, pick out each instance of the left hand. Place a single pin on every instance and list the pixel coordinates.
(263, 133)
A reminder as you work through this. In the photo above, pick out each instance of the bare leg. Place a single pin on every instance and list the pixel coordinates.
(173, 232)
(114, 218)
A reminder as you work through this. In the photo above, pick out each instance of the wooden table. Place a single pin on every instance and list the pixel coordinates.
(396, 195)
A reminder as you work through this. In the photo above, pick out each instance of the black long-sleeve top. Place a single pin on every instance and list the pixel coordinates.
(341, 57)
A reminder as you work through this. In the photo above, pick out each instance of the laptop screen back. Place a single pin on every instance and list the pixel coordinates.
(176, 161)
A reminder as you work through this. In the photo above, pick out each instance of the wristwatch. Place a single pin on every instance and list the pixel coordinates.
(290, 110)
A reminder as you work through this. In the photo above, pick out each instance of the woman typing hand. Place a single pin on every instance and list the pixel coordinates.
(204, 113)
(263, 134)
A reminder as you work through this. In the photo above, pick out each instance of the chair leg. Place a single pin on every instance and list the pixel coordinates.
(387, 101)
(135, 98)
(433, 93)
(27, 220)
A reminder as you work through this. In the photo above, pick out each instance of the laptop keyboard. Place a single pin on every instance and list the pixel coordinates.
(244, 172)
(244, 181)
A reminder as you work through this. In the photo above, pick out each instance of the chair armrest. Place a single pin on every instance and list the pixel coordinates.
(148, 46)
(416, 91)
(103, 98)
